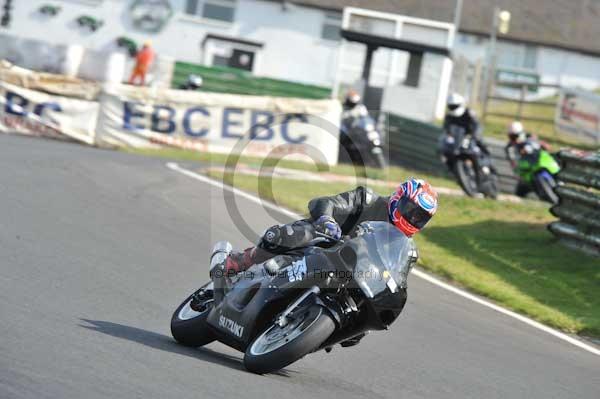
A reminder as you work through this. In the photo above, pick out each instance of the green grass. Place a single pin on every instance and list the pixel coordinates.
(393, 173)
(496, 249)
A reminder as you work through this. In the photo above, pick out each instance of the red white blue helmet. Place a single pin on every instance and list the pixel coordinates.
(412, 205)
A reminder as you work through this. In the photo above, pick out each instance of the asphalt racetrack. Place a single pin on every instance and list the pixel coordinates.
(97, 248)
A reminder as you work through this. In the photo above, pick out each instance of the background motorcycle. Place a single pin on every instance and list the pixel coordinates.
(539, 169)
(361, 140)
(309, 299)
(473, 169)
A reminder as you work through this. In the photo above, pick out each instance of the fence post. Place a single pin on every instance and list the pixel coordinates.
(476, 83)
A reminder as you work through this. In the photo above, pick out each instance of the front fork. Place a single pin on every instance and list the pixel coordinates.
(221, 251)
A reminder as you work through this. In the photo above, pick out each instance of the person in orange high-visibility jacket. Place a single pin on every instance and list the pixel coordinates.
(144, 59)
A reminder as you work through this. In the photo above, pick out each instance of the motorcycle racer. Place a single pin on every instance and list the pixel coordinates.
(409, 208)
(521, 143)
(460, 118)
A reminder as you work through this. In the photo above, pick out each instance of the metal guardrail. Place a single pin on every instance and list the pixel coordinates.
(579, 206)
(414, 144)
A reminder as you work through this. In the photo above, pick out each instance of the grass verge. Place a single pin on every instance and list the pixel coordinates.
(498, 250)
(393, 173)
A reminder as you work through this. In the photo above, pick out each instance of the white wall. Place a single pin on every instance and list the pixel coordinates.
(421, 102)
(293, 47)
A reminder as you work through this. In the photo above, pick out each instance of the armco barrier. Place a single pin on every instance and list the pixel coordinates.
(414, 144)
(579, 206)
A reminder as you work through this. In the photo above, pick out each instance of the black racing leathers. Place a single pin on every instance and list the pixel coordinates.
(349, 209)
(466, 123)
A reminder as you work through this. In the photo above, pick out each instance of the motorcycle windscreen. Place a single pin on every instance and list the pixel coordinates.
(384, 258)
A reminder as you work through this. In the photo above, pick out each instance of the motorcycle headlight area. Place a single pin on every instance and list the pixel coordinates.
(370, 280)
(373, 135)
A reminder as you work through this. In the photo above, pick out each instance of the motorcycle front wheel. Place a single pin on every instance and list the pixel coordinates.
(490, 186)
(278, 347)
(379, 160)
(467, 176)
(189, 326)
(544, 185)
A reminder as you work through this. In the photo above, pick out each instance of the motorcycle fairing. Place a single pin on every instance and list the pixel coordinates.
(255, 299)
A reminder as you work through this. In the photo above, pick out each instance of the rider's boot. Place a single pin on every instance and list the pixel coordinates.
(238, 262)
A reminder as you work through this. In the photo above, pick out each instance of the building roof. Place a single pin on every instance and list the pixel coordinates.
(567, 24)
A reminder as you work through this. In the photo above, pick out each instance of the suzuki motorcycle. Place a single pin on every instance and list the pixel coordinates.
(539, 169)
(473, 169)
(361, 140)
(301, 302)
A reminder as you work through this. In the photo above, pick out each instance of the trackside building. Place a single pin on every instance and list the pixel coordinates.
(300, 41)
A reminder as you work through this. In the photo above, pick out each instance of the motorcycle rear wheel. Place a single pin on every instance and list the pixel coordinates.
(278, 347)
(189, 327)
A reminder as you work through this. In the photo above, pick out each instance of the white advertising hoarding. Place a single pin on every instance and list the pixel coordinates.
(578, 115)
(35, 113)
(215, 122)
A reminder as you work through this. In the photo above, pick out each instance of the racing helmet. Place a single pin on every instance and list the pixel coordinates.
(352, 99)
(516, 132)
(195, 81)
(456, 104)
(412, 205)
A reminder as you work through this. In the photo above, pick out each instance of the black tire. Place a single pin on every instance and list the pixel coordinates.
(545, 189)
(195, 331)
(466, 176)
(380, 161)
(491, 186)
(318, 326)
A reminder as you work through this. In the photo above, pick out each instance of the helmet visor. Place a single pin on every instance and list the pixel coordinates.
(453, 107)
(413, 213)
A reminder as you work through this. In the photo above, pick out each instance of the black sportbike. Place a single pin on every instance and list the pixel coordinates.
(303, 301)
(473, 168)
(361, 141)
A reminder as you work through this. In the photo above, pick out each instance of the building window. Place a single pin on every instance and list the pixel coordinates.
(518, 56)
(332, 27)
(530, 58)
(220, 10)
(464, 39)
(231, 52)
(238, 58)
(413, 74)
